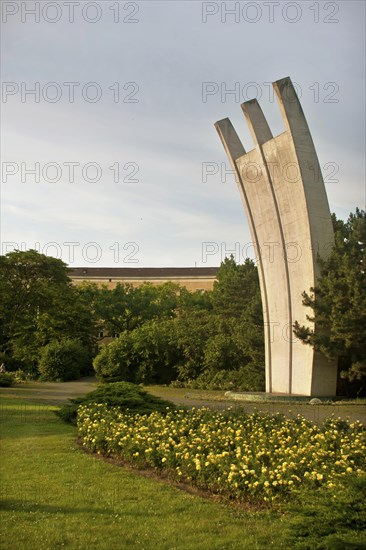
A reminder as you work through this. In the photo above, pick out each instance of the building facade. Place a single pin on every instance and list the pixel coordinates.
(192, 278)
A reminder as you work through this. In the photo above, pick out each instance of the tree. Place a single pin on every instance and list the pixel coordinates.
(236, 291)
(223, 341)
(193, 336)
(26, 279)
(147, 354)
(61, 360)
(126, 307)
(338, 302)
(193, 330)
(38, 305)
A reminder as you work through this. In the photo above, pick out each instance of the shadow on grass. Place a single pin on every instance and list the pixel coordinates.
(27, 507)
(34, 507)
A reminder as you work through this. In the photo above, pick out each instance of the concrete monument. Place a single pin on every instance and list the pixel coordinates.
(284, 197)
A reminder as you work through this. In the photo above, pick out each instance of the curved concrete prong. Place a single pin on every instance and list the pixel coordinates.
(291, 111)
(230, 139)
(256, 121)
(235, 151)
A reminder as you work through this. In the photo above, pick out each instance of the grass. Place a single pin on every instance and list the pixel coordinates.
(56, 496)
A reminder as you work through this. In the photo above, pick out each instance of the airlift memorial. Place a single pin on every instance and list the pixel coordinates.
(284, 197)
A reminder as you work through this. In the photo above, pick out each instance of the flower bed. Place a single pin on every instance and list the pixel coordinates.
(243, 456)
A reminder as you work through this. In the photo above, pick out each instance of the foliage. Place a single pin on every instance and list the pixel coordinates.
(123, 395)
(193, 330)
(237, 350)
(225, 345)
(219, 353)
(127, 307)
(236, 292)
(39, 305)
(249, 378)
(144, 355)
(165, 331)
(10, 363)
(61, 360)
(331, 520)
(6, 379)
(20, 376)
(245, 457)
(339, 305)
(206, 336)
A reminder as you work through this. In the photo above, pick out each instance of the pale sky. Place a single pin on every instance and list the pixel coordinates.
(113, 159)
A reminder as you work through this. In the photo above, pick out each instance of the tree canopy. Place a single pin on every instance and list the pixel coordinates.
(38, 305)
(166, 334)
(212, 339)
(338, 304)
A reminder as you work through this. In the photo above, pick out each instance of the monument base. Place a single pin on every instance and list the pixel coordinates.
(275, 397)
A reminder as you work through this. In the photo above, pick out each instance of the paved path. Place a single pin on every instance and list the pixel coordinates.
(316, 413)
(53, 393)
(56, 393)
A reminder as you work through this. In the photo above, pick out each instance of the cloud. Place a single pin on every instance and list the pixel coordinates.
(164, 139)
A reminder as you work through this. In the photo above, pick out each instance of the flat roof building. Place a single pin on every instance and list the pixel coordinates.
(192, 278)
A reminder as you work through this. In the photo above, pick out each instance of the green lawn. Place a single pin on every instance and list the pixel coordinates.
(56, 496)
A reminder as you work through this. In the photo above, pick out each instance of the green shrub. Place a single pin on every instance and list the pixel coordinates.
(62, 360)
(248, 378)
(123, 395)
(10, 363)
(112, 364)
(6, 380)
(20, 376)
(145, 355)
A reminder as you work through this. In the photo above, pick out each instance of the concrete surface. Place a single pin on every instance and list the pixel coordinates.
(284, 197)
